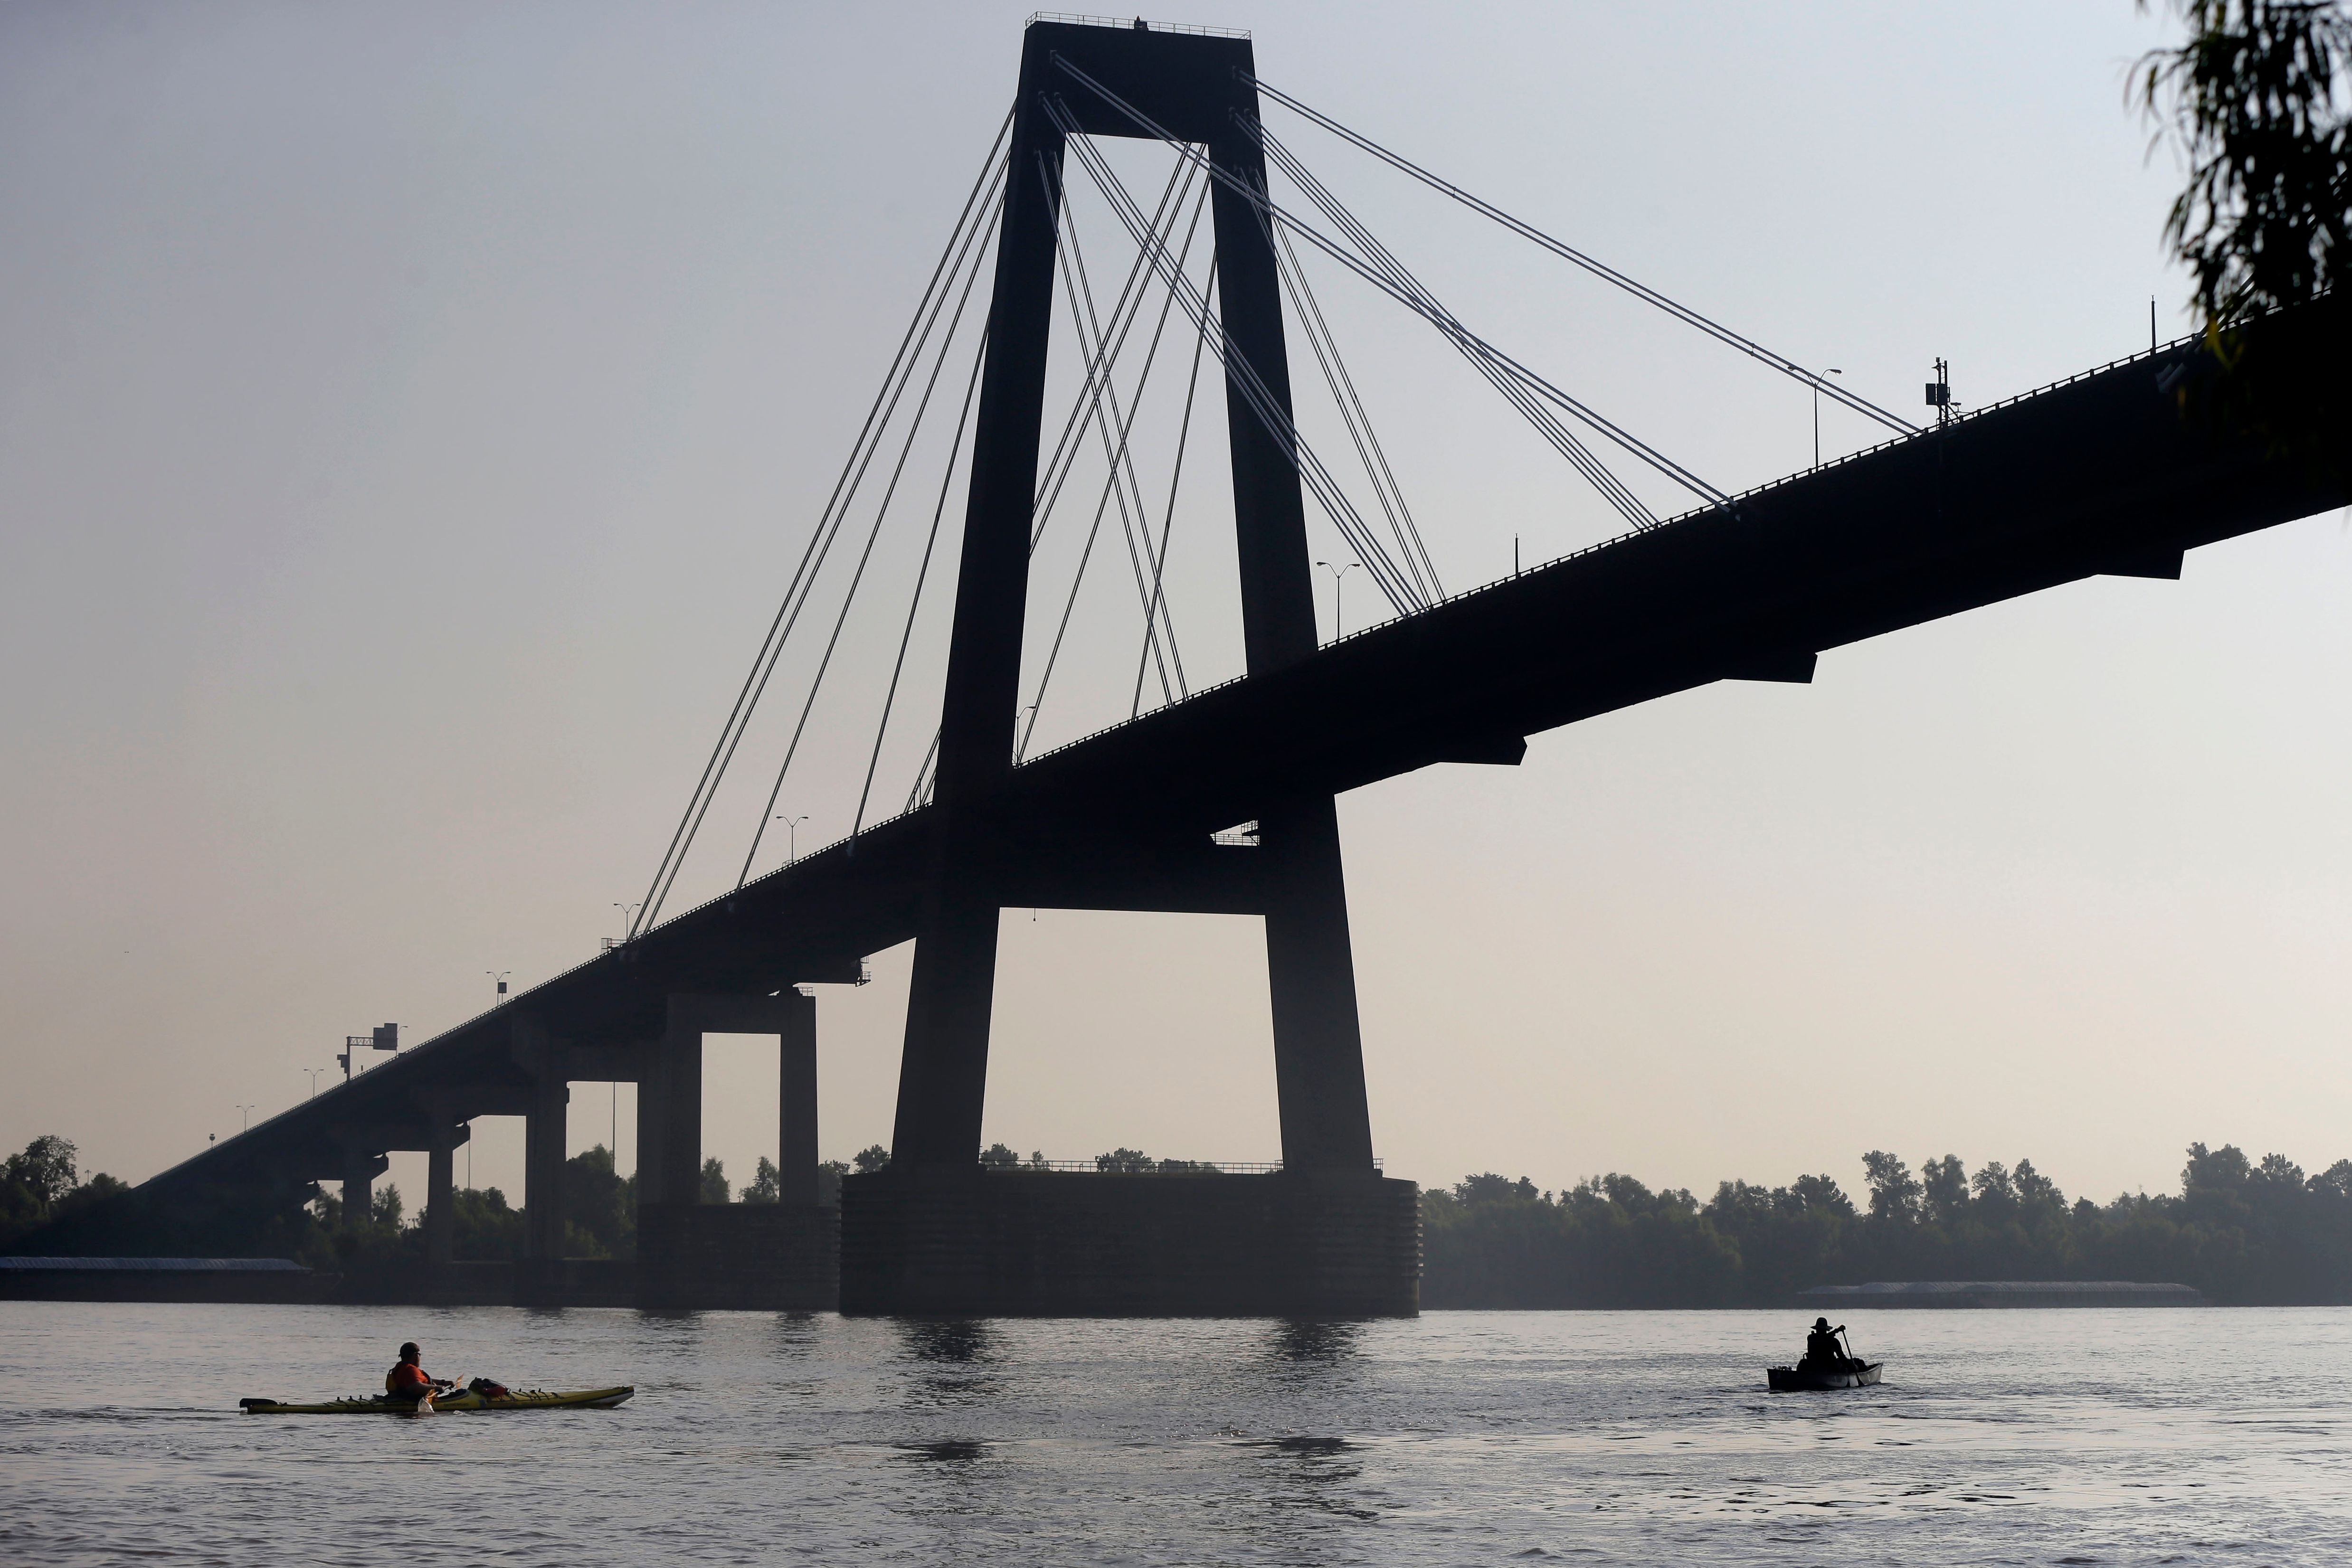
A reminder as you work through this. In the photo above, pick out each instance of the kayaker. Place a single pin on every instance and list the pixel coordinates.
(1823, 1351)
(406, 1381)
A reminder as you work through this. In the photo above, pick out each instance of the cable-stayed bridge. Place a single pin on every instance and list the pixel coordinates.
(1217, 799)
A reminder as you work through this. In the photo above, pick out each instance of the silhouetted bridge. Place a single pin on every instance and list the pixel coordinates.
(2100, 475)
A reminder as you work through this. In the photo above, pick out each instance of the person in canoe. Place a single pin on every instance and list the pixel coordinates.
(1823, 1351)
(406, 1383)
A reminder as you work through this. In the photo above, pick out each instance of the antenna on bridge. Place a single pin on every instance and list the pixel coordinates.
(1939, 393)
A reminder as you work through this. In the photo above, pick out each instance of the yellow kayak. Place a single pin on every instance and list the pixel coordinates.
(455, 1400)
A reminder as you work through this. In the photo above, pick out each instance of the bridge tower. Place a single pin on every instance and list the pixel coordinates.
(1200, 89)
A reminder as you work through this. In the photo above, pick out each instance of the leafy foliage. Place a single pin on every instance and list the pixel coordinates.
(39, 1185)
(2253, 100)
(600, 1207)
(714, 1188)
(2256, 99)
(2244, 1233)
(767, 1184)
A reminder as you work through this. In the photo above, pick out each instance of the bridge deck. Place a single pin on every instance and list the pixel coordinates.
(2098, 475)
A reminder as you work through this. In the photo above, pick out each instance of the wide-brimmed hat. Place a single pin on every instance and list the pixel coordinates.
(1820, 1323)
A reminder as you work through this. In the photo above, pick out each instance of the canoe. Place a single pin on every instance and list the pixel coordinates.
(459, 1400)
(1799, 1379)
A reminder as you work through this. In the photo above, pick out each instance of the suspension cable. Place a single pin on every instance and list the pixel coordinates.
(841, 519)
(1440, 318)
(1515, 391)
(923, 574)
(1353, 414)
(1514, 380)
(1640, 291)
(1244, 379)
(885, 401)
(1123, 459)
(1183, 435)
(1121, 455)
(816, 682)
(923, 772)
(1124, 313)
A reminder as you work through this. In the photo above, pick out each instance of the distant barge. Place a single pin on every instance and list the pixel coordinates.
(1997, 1293)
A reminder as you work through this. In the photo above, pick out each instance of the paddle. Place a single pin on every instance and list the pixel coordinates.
(1849, 1348)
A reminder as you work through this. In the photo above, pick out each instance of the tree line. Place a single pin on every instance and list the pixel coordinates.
(2245, 1233)
(47, 1209)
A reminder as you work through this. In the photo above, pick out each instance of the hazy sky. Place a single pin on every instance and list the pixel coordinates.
(409, 416)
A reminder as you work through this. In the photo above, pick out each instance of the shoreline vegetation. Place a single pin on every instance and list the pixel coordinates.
(2244, 1232)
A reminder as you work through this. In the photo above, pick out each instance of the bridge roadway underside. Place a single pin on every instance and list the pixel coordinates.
(2102, 474)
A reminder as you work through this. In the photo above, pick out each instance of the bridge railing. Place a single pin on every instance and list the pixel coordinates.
(1072, 18)
(1105, 1166)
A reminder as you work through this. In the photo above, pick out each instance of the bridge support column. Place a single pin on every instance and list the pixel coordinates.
(943, 1071)
(1310, 968)
(669, 1118)
(440, 1203)
(545, 1118)
(446, 1132)
(690, 1254)
(796, 1095)
(545, 1129)
(360, 1169)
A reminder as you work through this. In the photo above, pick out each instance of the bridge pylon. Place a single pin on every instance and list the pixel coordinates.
(1200, 89)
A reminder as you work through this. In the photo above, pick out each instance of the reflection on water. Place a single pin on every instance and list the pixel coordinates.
(1315, 1339)
(945, 1339)
(949, 1451)
(2016, 1436)
(950, 1360)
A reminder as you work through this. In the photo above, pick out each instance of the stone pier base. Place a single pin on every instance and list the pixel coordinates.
(755, 1256)
(1067, 1244)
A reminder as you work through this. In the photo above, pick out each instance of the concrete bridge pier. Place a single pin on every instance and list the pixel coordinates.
(362, 1166)
(548, 1100)
(693, 1254)
(441, 1185)
(796, 1154)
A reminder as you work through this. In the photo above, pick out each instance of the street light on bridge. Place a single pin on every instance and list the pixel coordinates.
(1338, 627)
(1831, 371)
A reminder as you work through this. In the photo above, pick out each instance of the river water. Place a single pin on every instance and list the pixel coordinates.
(2061, 1436)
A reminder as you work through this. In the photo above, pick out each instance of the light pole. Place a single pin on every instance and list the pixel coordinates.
(500, 977)
(1817, 414)
(314, 1072)
(244, 1118)
(1337, 574)
(628, 913)
(791, 837)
